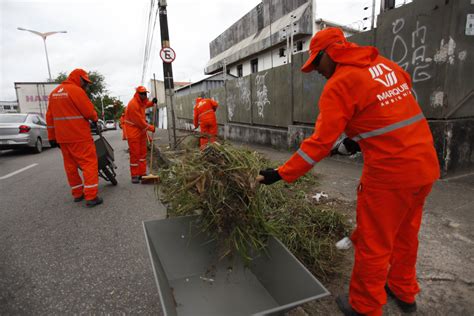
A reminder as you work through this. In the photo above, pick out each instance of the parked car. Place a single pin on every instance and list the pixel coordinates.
(100, 124)
(110, 124)
(23, 130)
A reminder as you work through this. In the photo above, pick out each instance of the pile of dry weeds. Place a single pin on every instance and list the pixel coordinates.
(219, 184)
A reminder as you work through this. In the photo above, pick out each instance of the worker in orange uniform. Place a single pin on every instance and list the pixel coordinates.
(205, 117)
(368, 98)
(68, 115)
(122, 125)
(136, 128)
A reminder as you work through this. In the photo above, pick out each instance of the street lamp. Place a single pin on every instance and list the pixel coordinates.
(43, 36)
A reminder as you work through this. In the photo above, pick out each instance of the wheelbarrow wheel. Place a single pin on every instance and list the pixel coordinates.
(110, 176)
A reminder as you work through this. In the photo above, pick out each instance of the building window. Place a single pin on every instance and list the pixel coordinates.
(6, 107)
(299, 46)
(282, 52)
(254, 65)
(240, 72)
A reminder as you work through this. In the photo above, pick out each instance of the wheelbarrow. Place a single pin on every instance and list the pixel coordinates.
(105, 158)
(191, 279)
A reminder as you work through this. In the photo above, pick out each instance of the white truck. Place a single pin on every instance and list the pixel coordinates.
(33, 96)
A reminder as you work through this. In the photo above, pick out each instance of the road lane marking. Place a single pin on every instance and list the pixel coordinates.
(18, 171)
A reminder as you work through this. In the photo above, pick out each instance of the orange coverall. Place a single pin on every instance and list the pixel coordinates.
(369, 98)
(136, 128)
(205, 117)
(122, 124)
(68, 115)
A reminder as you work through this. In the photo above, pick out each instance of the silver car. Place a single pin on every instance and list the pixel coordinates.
(21, 130)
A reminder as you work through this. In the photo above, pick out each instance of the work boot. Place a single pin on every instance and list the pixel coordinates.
(404, 306)
(136, 179)
(79, 199)
(94, 202)
(342, 302)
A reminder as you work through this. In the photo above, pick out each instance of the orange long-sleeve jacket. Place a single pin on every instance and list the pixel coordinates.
(204, 111)
(369, 98)
(69, 111)
(135, 123)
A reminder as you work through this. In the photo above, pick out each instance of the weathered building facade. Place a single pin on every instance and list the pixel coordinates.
(258, 41)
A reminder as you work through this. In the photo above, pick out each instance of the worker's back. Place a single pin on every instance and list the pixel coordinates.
(69, 110)
(388, 124)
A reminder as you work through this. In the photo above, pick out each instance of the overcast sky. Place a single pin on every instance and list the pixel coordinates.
(109, 36)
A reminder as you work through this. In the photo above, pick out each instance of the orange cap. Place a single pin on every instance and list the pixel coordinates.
(141, 89)
(322, 40)
(82, 73)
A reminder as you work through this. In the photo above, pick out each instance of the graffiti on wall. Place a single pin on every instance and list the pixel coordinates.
(244, 93)
(243, 98)
(261, 93)
(411, 51)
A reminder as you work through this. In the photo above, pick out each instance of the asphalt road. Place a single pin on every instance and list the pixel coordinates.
(59, 257)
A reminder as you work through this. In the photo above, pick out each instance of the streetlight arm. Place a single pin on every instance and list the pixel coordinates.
(51, 33)
(43, 35)
(34, 32)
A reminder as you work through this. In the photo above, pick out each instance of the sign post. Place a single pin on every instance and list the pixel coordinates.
(168, 55)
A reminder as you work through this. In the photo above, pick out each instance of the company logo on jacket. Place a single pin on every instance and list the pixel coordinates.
(60, 93)
(383, 74)
(386, 76)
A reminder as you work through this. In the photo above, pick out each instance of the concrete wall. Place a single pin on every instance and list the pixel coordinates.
(428, 38)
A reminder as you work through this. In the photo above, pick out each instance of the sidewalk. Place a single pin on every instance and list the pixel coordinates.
(446, 253)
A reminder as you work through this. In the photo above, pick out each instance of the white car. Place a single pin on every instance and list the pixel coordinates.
(110, 125)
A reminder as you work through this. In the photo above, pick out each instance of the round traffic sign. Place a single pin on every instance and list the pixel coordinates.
(167, 54)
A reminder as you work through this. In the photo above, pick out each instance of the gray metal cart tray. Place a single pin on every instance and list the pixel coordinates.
(192, 280)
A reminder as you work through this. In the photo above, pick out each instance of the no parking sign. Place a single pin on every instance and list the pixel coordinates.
(167, 54)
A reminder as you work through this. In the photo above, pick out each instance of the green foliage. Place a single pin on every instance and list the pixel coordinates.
(97, 93)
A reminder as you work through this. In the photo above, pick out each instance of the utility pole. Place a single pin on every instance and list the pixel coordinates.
(167, 67)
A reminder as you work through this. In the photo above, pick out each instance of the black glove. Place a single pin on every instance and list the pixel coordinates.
(53, 143)
(346, 147)
(155, 100)
(270, 176)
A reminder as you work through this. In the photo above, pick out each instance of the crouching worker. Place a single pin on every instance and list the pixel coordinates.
(205, 117)
(68, 115)
(136, 128)
(400, 165)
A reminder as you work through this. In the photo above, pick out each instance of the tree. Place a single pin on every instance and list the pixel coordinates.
(97, 93)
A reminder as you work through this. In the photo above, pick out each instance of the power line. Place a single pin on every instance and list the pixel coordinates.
(148, 53)
(147, 40)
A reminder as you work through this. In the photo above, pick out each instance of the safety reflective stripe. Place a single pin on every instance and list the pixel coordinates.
(77, 186)
(389, 128)
(134, 164)
(128, 122)
(205, 112)
(306, 157)
(68, 118)
(142, 159)
(91, 186)
(50, 126)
